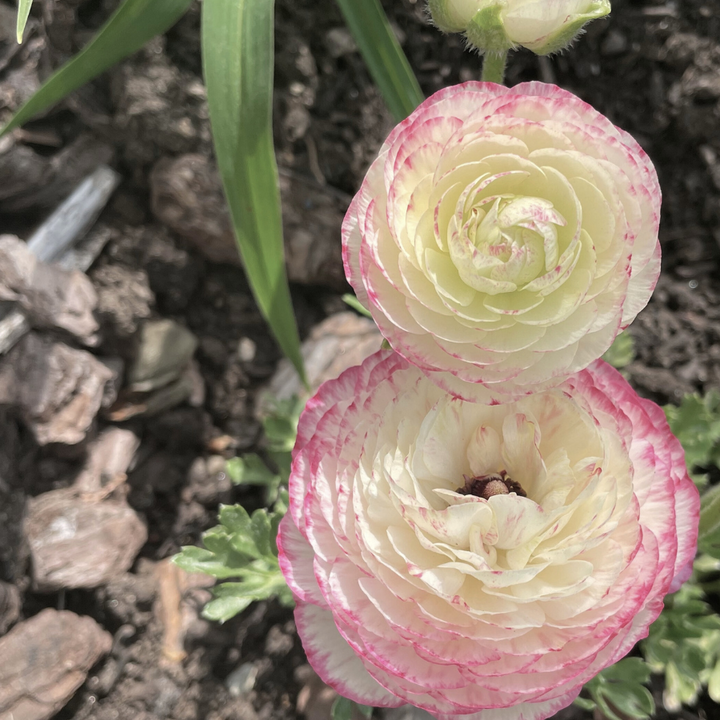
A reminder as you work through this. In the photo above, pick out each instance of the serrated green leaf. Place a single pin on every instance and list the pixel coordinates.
(237, 49)
(261, 530)
(696, 424)
(23, 13)
(383, 55)
(221, 566)
(633, 670)
(709, 515)
(222, 609)
(128, 29)
(633, 700)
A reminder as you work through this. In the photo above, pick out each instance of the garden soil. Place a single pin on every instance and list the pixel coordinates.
(653, 68)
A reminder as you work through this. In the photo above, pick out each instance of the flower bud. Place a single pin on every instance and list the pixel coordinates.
(543, 26)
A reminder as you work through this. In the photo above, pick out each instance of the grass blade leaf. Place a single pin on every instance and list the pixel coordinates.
(238, 56)
(383, 55)
(127, 30)
(23, 13)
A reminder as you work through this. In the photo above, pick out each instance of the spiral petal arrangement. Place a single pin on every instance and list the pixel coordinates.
(504, 237)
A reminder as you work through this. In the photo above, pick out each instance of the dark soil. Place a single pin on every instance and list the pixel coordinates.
(653, 68)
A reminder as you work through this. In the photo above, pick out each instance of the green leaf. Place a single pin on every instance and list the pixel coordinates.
(242, 548)
(621, 352)
(237, 47)
(621, 687)
(585, 703)
(128, 29)
(344, 709)
(696, 424)
(22, 17)
(709, 513)
(224, 608)
(383, 55)
(250, 470)
(355, 304)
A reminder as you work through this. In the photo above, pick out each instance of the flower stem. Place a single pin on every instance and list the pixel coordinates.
(494, 67)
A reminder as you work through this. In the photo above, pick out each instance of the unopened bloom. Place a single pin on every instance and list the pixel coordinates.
(543, 26)
(504, 237)
(480, 560)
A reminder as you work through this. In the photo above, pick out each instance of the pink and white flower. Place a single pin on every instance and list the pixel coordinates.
(480, 561)
(504, 237)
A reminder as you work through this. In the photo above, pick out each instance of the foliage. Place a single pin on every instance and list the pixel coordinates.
(622, 352)
(280, 431)
(684, 643)
(128, 29)
(696, 423)
(237, 48)
(242, 547)
(383, 55)
(344, 709)
(238, 63)
(22, 17)
(354, 303)
(709, 539)
(619, 691)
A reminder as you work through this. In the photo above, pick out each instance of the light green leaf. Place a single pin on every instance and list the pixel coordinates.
(696, 424)
(709, 513)
(22, 17)
(237, 45)
(622, 352)
(383, 55)
(344, 709)
(354, 303)
(224, 608)
(250, 470)
(128, 29)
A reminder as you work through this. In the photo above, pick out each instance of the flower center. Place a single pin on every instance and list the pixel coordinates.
(485, 486)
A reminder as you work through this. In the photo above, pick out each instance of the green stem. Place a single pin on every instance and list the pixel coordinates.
(494, 67)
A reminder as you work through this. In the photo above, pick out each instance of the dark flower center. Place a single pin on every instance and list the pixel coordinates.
(486, 486)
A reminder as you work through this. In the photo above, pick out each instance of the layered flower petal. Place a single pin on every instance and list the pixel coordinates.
(503, 237)
(474, 560)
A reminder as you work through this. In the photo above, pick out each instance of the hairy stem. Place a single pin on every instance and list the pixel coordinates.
(494, 67)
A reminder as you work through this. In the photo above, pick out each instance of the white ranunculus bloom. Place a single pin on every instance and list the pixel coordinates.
(477, 561)
(543, 26)
(504, 237)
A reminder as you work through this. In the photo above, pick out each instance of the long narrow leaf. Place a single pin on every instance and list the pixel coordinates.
(384, 56)
(22, 17)
(237, 45)
(128, 29)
